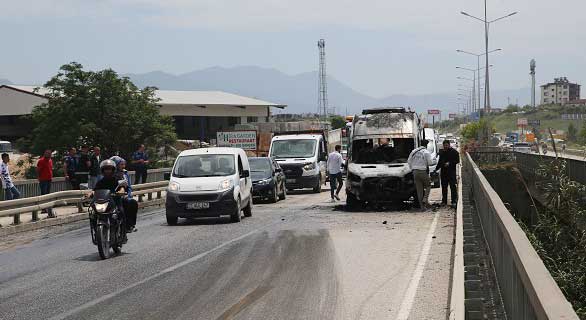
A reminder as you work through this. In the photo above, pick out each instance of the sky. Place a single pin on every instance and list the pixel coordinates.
(378, 47)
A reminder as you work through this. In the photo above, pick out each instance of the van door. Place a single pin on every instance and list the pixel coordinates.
(322, 160)
(244, 185)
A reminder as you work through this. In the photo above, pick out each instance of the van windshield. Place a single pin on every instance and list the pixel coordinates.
(382, 151)
(298, 148)
(205, 165)
(5, 146)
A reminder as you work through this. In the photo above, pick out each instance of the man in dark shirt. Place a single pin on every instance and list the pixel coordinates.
(448, 159)
(83, 165)
(140, 162)
(94, 168)
(70, 167)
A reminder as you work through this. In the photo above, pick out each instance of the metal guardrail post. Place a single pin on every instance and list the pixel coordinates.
(150, 196)
(158, 194)
(16, 219)
(35, 215)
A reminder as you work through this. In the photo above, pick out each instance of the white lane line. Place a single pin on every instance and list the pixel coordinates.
(409, 297)
(154, 276)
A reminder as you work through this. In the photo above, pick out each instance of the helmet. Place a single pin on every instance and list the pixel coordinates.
(117, 160)
(107, 163)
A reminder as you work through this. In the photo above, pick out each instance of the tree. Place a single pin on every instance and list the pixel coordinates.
(481, 130)
(512, 108)
(337, 122)
(582, 134)
(572, 132)
(98, 109)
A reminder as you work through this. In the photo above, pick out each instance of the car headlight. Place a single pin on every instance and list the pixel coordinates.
(101, 207)
(173, 186)
(226, 184)
(309, 166)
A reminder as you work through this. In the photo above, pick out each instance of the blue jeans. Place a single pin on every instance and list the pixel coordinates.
(335, 178)
(45, 187)
(11, 193)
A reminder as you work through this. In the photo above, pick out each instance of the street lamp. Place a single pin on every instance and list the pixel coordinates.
(475, 104)
(478, 67)
(486, 24)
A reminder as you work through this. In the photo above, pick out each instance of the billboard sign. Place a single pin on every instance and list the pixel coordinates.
(244, 139)
(521, 122)
(534, 123)
(434, 111)
(452, 116)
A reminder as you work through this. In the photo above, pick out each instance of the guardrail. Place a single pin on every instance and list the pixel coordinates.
(30, 187)
(14, 208)
(457, 290)
(527, 288)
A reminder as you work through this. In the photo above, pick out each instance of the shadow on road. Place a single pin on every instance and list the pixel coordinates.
(202, 221)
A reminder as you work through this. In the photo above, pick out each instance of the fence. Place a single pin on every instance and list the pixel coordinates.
(30, 188)
(14, 208)
(527, 288)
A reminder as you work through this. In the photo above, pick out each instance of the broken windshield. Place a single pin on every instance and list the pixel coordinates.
(382, 151)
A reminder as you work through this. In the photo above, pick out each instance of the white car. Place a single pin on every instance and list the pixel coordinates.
(209, 182)
(522, 147)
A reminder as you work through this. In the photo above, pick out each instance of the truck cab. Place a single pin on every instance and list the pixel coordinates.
(302, 156)
(380, 144)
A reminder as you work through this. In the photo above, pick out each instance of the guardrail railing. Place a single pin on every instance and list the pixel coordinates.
(30, 187)
(34, 205)
(527, 287)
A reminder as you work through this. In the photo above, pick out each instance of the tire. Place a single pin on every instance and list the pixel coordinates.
(103, 242)
(236, 216)
(283, 194)
(352, 203)
(317, 189)
(171, 220)
(248, 209)
(275, 196)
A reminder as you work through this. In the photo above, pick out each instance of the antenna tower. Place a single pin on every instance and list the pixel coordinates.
(532, 73)
(322, 99)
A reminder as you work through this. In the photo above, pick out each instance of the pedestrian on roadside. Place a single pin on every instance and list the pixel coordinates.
(419, 161)
(10, 191)
(448, 160)
(45, 176)
(94, 167)
(140, 161)
(335, 172)
(83, 165)
(70, 167)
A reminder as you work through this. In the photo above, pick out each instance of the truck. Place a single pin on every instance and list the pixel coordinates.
(377, 169)
(302, 155)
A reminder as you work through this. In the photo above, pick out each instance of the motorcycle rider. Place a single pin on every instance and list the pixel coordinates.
(130, 205)
(109, 181)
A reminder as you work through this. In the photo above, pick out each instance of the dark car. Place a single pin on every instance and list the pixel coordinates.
(268, 180)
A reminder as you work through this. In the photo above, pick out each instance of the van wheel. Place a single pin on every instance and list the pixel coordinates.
(236, 216)
(171, 220)
(352, 203)
(317, 189)
(248, 209)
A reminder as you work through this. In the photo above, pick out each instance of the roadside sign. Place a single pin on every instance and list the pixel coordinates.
(521, 122)
(245, 139)
(534, 123)
(452, 116)
(434, 111)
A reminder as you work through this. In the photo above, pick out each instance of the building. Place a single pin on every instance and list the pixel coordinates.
(198, 115)
(561, 91)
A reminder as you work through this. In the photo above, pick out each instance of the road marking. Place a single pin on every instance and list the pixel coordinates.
(409, 297)
(154, 276)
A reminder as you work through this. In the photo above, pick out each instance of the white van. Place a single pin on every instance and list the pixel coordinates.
(302, 156)
(209, 182)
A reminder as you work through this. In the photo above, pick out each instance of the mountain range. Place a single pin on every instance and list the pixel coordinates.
(299, 92)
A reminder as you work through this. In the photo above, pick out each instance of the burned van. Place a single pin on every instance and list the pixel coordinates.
(377, 170)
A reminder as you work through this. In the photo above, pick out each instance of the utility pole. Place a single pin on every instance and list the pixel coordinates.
(532, 73)
(322, 98)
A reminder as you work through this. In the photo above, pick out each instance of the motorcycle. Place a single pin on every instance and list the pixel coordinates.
(106, 217)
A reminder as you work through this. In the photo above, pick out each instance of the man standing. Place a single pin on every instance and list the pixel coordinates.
(448, 159)
(83, 166)
(10, 191)
(94, 167)
(70, 167)
(45, 176)
(140, 160)
(419, 161)
(335, 172)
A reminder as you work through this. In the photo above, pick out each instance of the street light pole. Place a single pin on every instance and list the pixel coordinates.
(478, 65)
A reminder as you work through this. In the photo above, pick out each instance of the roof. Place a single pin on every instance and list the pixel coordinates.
(213, 150)
(172, 97)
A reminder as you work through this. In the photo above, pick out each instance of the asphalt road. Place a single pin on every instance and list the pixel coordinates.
(302, 258)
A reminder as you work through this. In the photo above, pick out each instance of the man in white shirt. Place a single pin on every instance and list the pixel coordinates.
(419, 161)
(10, 191)
(335, 172)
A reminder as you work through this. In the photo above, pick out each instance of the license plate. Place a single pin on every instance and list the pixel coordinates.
(290, 180)
(198, 205)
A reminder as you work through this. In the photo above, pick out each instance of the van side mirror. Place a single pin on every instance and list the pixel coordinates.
(167, 176)
(245, 174)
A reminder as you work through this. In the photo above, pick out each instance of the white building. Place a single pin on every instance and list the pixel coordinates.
(561, 91)
(197, 114)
